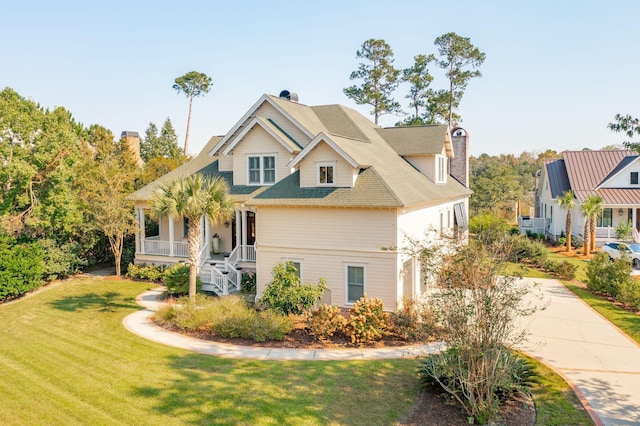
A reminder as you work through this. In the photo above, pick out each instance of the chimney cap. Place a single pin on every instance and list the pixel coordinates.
(128, 133)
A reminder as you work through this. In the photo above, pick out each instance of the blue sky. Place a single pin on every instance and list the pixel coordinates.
(556, 71)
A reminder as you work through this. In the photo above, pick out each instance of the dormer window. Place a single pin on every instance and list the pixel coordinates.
(326, 175)
(633, 178)
(441, 172)
(261, 170)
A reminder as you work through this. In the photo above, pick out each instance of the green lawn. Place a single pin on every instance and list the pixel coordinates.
(66, 359)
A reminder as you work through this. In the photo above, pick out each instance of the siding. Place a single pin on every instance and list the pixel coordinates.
(343, 172)
(426, 164)
(225, 163)
(623, 179)
(259, 142)
(325, 241)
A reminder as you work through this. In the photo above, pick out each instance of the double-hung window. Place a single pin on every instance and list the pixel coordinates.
(261, 170)
(634, 178)
(355, 283)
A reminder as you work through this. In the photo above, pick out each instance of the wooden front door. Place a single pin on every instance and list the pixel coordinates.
(251, 228)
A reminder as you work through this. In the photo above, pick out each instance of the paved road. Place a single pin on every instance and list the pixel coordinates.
(601, 362)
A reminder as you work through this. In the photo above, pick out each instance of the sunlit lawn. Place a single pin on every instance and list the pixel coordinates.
(66, 359)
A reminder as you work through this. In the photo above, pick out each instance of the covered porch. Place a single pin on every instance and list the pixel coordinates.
(235, 237)
(613, 220)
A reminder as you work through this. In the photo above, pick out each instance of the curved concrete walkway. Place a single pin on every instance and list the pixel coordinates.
(600, 362)
(140, 324)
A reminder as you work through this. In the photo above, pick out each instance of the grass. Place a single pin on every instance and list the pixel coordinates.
(556, 404)
(66, 359)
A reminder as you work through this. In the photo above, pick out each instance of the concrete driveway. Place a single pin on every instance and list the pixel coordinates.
(599, 361)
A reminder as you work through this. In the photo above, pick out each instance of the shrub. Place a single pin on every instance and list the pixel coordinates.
(564, 269)
(227, 317)
(367, 320)
(325, 321)
(176, 278)
(21, 268)
(248, 284)
(606, 276)
(450, 370)
(413, 322)
(286, 295)
(60, 260)
(489, 226)
(630, 293)
(145, 272)
(526, 250)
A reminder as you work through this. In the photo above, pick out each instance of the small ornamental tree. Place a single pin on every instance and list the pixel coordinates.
(478, 305)
(285, 294)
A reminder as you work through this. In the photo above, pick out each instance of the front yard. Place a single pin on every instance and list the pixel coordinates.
(67, 359)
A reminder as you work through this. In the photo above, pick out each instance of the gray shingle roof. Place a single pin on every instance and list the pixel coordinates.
(415, 140)
(557, 176)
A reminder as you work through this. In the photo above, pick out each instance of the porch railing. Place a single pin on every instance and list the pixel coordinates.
(154, 246)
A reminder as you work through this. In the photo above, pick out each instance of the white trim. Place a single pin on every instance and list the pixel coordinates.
(261, 168)
(259, 121)
(320, 138)
(264, 98)
(346, 280)
(331, 164)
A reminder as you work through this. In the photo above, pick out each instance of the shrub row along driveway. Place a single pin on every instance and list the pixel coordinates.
(600, 361)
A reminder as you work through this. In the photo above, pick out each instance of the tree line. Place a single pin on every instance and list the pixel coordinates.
(63, 191)
(380, 79)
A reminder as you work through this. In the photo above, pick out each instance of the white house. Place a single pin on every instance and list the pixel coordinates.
(325, 188)
(613, 175)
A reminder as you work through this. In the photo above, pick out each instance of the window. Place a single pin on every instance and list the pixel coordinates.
(298, 267)
(355, 283)
(441, 171)
(606, 218)
(261, 170)
(634, 178)
(326, 174)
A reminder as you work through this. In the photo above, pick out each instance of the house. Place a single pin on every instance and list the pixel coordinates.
(324, 188)
(613, 175)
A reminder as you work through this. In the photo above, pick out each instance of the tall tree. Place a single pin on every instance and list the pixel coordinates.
(192, 84)
(379, 79)
(163, 144)
(568, 201)
(419, 79)
(191, 198)
(457, 55)
(107, 178)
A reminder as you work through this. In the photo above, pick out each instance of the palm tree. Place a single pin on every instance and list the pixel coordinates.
(596, 200)
(193, 197)
(590, 208)
(568, 201)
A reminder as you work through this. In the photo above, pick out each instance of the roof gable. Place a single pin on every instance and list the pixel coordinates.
(314, 143)
(271, 128)
(277, 103)
(625, 163)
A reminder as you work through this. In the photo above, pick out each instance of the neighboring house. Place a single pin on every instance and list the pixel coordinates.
(613, 175)
(325, 188)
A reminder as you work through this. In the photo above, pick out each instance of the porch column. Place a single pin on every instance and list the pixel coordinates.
(170, 236)
(143, 234)
(244, 234)
(207, 234)
(238, 223)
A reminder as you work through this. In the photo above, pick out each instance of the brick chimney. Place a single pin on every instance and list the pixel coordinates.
(459, 164)
(133, 141)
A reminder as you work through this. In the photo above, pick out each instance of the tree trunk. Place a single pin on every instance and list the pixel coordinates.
(568, 232)
(594, 222)
(587, 234)
(194, 250)
(116, 242)
(186, 137)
